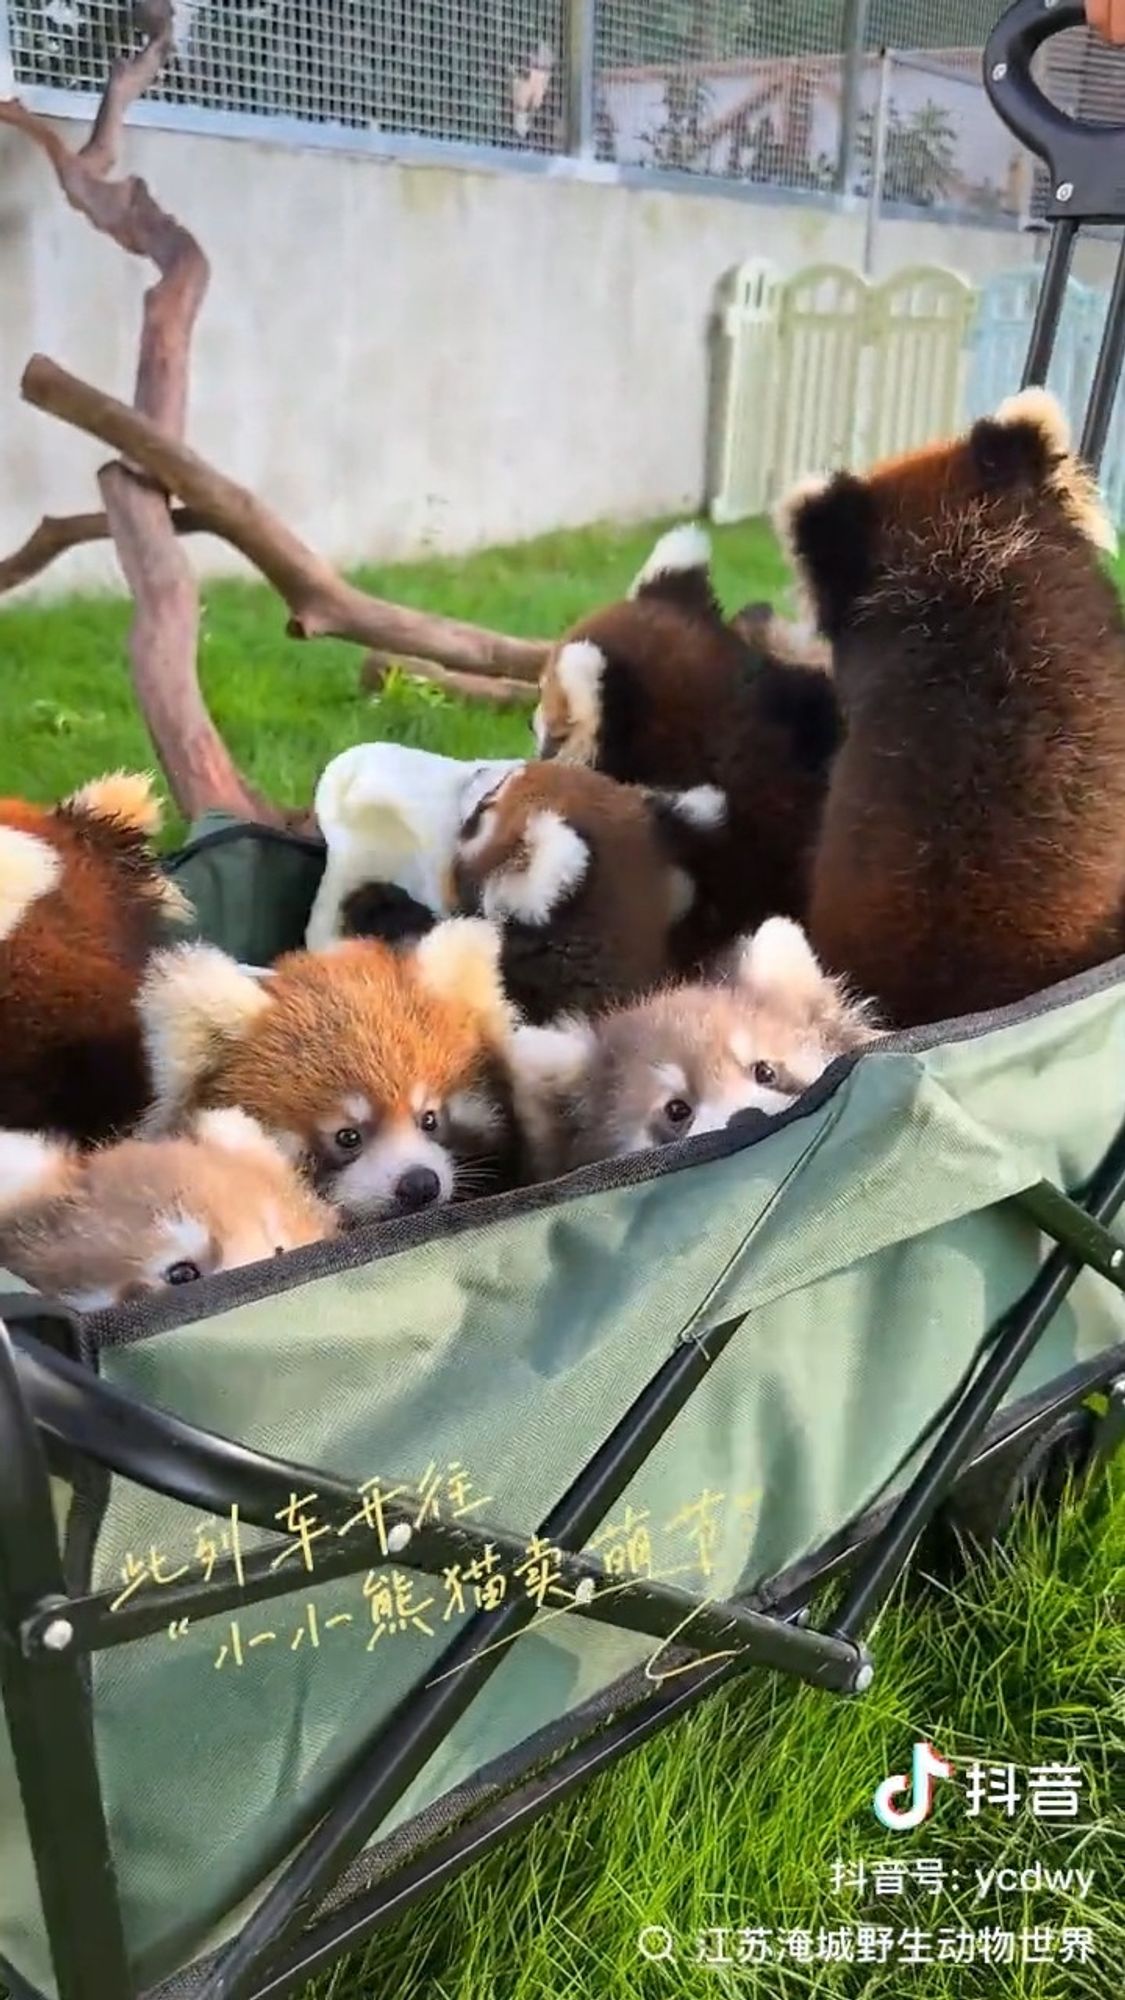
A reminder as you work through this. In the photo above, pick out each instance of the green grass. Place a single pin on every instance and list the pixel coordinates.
(736, 1816)
(285, 707)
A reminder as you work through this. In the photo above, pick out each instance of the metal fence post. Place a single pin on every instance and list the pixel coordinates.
(851, 95)
(580, 32)
(7, 72)
(878, 161)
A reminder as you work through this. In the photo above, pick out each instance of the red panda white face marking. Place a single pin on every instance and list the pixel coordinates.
(396, 1164)
(555, 862)
(381, 1163)
(586, 879)
(567, 719)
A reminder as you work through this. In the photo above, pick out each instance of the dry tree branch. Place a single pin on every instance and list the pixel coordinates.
(163, 639)
(321, 603)
(128, 80)
(56, 533)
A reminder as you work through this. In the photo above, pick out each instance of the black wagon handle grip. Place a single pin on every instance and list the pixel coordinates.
(1008, 53)
(1086, 163)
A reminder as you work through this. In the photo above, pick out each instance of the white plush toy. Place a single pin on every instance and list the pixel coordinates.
(392, 814)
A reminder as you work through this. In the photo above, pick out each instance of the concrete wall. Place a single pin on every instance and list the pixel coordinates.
(405, 358)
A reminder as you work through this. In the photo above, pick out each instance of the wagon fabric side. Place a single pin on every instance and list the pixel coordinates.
(867, 1247)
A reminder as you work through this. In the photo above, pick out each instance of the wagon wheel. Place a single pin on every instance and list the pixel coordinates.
(980, 1511)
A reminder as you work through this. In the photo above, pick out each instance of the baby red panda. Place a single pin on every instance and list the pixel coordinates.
(586, 878)
(104, 1228)
(661, 690)
(381, 1072)
(972, 849)
(82, 903)
(689, 1058)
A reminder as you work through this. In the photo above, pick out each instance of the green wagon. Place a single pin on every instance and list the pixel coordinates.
(315, 1583)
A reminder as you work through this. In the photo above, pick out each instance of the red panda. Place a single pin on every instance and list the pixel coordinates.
(661, 689)
(687, 1059)
(586, 878)
(972, 847)
(82, 904)
(106, 1228)
(382, 1072)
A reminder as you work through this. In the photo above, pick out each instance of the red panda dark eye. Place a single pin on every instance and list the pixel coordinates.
(183, 1273)
(428, 1122)
(765, 1074)
(349, 1139)
(678, 1111)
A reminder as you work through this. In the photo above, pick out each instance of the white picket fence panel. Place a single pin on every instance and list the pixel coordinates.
(822, 335)
(825, 369)
(746, 372)
(998, 346)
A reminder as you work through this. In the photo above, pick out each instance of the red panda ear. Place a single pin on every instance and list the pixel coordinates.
(702, 809)
(194, 1004)
(1016, 451)
(778, 965)
(544, 869)
(552, 1059)
(829, 527)
(1026, 447)
(234, 1131)
(34, 1169)
(687, 824)
(788, 643)
(126, 799)
(459, 962)
(679, 571)
(126, 805)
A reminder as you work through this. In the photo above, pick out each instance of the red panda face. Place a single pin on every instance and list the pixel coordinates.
(381, 1073)
(110, 1227)
(373, 1157)
(688, 1059)
(586, 878)
(567, 719)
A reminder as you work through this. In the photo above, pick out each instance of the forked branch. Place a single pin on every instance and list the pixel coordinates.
(322, 604)
(155, 465)
(56, 533)
(163, 638)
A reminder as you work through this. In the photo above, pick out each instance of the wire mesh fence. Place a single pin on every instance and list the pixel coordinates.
(489, 74)
(1085, 77)
(760, 93)
(736, 91)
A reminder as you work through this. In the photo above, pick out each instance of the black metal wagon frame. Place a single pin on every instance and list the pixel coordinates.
(56, 1413)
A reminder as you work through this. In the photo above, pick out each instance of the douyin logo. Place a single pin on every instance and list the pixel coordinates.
(925, 1767)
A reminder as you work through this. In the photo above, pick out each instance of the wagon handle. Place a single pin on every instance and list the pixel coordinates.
(1086, 163)
(1086, 169)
